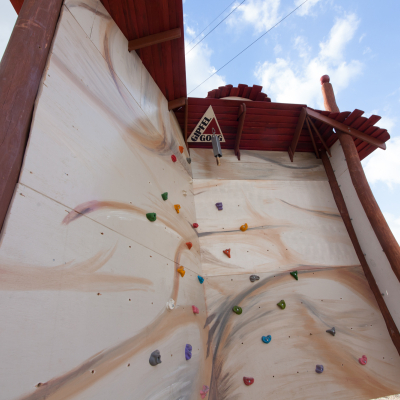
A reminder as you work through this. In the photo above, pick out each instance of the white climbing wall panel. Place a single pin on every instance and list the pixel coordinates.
(85, 276)
(293, 224)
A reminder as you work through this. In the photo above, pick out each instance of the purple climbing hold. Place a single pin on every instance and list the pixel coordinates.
(319, 369)
(188, 352)
(219, 206)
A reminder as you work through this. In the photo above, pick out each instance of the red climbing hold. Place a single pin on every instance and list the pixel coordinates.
(173, 158)
(227, 252)
(248, 381)
(362, 360)
(195, 310)
(195, 225)
(181, 149)
(189, 245)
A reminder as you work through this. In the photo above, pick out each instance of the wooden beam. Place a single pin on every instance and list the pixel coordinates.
(154, 39)
(312, 139)
(186, 123)
(319, 136)
(346, 129)
(21, 71)
(241, 117)
(341, 205)
(299, 127)
(173, 104)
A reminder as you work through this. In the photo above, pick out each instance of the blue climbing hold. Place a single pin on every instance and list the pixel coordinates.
(201, 279)
(266, 339)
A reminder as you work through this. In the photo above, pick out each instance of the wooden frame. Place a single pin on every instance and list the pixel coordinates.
(297, 133)
(151, 40)
(173, 104)
(241, 118)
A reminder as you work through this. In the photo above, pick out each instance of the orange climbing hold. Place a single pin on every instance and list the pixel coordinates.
(177, 207)
(181, 149)
(182, 271)
(244, 227)
(189, 245)
(227, 252)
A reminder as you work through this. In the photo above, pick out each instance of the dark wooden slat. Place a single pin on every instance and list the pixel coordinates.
(242, 116)
(241, 87)
(312, 138)
(342, 127)
(246, 92)
(261, 97)
(211, 94)
(255, 90)
(177, 103)
(319, 136)
(228, 90)
(21, 71)
(151, 40)
(185, 132)
(234, 92)
(299, 127)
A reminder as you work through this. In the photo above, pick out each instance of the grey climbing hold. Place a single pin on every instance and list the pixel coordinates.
(332, 331)
(155, 358)
(189, 160)
(319, 369)
(254, 278)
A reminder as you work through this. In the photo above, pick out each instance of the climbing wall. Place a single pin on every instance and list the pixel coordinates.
(85, 276)
(293, 225)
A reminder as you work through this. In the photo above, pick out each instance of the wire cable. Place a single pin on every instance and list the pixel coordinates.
(188, 44)
(251, 44)
(216, 26)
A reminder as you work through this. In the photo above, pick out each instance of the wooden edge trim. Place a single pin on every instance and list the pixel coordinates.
(150, 40)
(290, 152)
(297, 133)
(176, 103)
(319, 136)
(242, 116)
(341, 205)
(346, 129)
(186, 124)
(312, 138)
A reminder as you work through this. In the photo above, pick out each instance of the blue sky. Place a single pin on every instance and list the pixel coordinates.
(355, 42)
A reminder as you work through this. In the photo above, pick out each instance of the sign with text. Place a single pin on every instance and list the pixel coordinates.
(205, 128)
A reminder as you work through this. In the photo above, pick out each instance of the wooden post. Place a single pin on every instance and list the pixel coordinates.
(186, 123)
(364, 192)
(21, 71)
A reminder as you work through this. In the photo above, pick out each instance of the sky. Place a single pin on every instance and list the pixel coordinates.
(355, 42)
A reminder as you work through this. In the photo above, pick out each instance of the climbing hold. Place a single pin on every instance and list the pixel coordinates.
(227, 252)
(200, 278)
(189, 245)
(177, 207)
(204, 391)
(171, 304)
(165, 196)
(188, 352)
(254, 278)
(182, 271)
(151, 216)
(180, 149)
(248, 381)
(173, 158)
(362, 360)
(189, 160)
(155, 358)
(219, 206)
(237, 310)
(244, 227)
(184, 192)
(195, 310)
(294, 274)
(331, 331)
(282, 304)
(195, 225)
(319, 369)
(266, 339)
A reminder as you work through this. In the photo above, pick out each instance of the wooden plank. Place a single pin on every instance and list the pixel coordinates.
(21, 71)
(186, 124)
(246, 92)
(347, 129)
(299, 127)
(255, 90)
(241, 87)
(242, 117)
(152, 40)
(173, 104)
(312, 139)
(319, 136)
(234, 92)
(261, 96)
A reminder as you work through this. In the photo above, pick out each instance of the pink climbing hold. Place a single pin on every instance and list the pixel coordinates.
(195, 310)
(204, 391)
(362, 360)
(195, 225)
(189, 245)
(173, 158)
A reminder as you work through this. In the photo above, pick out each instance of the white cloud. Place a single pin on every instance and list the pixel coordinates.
(394, 224)
(367, 50)
(8, 16)
(298, 81)
(362, 37)
(277, 49)
(190, 31)
(305, 9)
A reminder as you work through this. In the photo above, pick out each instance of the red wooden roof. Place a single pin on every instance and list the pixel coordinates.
(252, 93)
(271, 126)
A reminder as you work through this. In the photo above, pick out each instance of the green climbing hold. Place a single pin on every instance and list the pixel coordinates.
(165, 196)
(282, 304)
(294, 274)
(151, 216)
(237, 310)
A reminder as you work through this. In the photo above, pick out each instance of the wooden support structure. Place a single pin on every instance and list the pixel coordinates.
(21, 71)
(186, 123)
(299, 127)
(241, 118)
(174, 104)
(341, 205)
(312, 138)
(151, 40)
(319, 136)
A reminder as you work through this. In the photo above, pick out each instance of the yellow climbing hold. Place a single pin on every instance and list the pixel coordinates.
(182, 271)
(244, 227)
(177, 207)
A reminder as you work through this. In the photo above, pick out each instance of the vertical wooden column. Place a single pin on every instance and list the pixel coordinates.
(360, 183)
(21, 70)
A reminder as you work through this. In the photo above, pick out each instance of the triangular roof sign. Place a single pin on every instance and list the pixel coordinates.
(207, 125)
